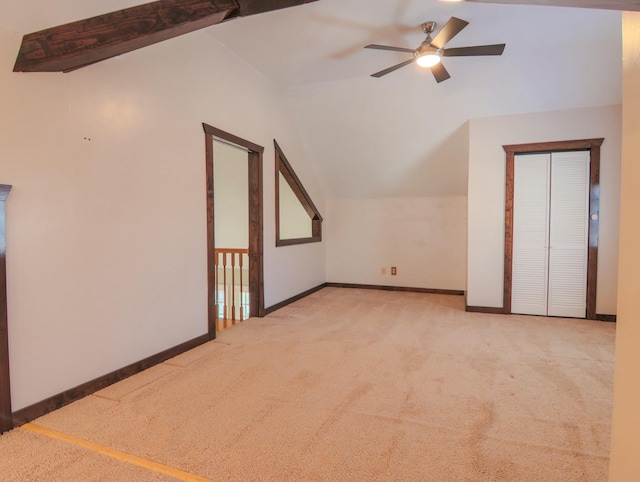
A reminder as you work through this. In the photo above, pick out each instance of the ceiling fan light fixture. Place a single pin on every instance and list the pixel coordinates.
(426, 55)
(428, 59)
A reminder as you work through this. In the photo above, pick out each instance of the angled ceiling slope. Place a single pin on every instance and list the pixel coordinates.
(85, 42)
(78, 44)
(605, 4)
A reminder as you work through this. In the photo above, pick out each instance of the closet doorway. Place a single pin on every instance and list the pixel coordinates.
(551, 228)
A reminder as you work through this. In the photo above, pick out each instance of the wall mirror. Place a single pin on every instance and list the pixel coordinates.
(297, 218)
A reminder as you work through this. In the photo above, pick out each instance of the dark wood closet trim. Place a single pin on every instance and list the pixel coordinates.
(431, 291)
(256, 250)
(591, 145)
(607, 318)
(500, 311)
(484, 309)
(293, 299)
(6, 420)
(55, 402)
(283, 167)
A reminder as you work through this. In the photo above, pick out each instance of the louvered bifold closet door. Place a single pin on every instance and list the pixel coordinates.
(530, 234)
(569, 234)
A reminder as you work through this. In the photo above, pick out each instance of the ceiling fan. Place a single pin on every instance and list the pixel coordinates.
(430, 52)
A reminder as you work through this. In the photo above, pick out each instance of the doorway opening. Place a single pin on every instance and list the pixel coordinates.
(227, 270)
(592, 146)
(231, 225)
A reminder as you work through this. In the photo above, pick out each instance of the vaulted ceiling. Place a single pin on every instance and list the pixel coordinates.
(402, 134)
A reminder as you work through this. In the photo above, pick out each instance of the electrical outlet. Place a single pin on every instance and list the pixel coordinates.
(394, 271)
(383, 270)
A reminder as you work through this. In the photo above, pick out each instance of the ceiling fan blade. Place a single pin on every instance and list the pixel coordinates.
(495, 49)
(450, 30)
(391, 69)
(439, 72)
(385, 47)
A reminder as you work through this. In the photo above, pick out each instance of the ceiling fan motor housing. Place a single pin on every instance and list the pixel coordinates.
(426, 48)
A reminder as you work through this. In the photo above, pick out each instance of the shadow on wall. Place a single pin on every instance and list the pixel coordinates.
(444, 171)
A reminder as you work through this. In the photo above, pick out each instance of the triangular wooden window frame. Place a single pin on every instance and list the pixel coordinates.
(284, 167)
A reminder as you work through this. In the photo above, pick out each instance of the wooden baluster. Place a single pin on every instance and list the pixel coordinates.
(246, 301)
(224, 286)
(233, 288)
(241, 289)
(215, 289)
(229, 311)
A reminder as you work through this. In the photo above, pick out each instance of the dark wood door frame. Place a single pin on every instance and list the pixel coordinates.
(256, 249)
(591, 145)
(6, 418)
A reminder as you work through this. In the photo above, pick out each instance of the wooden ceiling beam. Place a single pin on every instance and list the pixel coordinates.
(78, 44)
(632, 5)
(73, 45)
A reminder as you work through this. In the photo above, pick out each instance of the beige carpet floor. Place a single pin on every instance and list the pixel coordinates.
(351, 385)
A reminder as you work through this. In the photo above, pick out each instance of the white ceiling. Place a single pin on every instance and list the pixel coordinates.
(402, 134)
(323, 41)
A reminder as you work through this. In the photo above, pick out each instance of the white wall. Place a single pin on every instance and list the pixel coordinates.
(425, 238)
(231, 196)
(485, 268)
(625, 438)
(106, 238)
